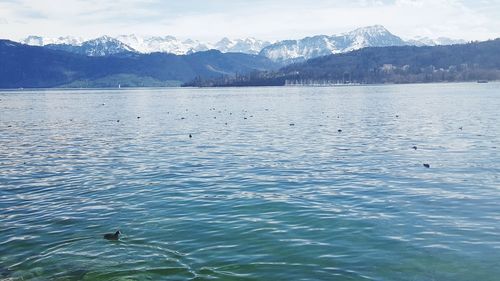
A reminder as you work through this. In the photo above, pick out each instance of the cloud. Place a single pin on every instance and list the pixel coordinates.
(278, 19)
(408, 18)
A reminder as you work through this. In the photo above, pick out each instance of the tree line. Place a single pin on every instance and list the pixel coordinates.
(406, 64)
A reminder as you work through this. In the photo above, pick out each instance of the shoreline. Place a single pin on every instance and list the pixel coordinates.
(236, 87)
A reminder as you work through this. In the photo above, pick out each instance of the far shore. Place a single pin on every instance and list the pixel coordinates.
(237, 87)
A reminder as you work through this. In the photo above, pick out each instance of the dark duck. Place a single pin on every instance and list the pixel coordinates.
(111, 236)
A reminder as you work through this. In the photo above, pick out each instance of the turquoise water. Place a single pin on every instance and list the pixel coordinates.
(254, 198)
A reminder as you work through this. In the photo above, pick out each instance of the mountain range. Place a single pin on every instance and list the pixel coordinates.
(100, 47)
(133, 61)
(322, 45)
(475, 61)
(286, 52)
(146, 45)
(24, 66)
(441, 41)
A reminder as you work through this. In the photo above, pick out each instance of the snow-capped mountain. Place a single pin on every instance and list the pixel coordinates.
(322, 45)
(248, 46)
(287, 51)
(426, 41)
(170, 44)
(100, 47)
(166, 44)
(148, 44)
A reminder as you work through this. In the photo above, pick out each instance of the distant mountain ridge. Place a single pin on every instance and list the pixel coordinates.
(248, 45)
(287, 51)
(322, 45)
(147, 44)
(163, 44)
(100, 47)
(441, 41)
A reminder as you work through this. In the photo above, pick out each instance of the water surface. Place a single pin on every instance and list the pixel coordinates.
(249, 196)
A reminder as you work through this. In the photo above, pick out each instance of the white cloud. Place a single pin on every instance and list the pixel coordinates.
(278, 19)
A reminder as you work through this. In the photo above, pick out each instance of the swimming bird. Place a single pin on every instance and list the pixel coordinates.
(190, 136)
(415, 147)
(114, 237)
(427, 165)
(340, 131)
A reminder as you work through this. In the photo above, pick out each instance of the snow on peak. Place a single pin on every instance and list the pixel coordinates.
(152, 44)
(164, 44)
(322, 45)
(426, 41)
(248, 45)
(105, 39)
(283, 51)
(374, 30)
(105, 46)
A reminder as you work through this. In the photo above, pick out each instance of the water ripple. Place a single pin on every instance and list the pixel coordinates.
(254, 198)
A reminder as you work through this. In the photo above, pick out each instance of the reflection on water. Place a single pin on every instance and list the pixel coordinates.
(250, 197)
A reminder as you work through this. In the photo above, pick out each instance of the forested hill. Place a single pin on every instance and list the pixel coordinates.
(406, 64)
(23, 66)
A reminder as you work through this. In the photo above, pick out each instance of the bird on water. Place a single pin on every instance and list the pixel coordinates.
(111, 236)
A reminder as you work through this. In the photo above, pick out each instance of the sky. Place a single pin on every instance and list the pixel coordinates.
(211, 20)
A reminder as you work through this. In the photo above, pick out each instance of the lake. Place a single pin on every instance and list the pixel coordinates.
(275, 183)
